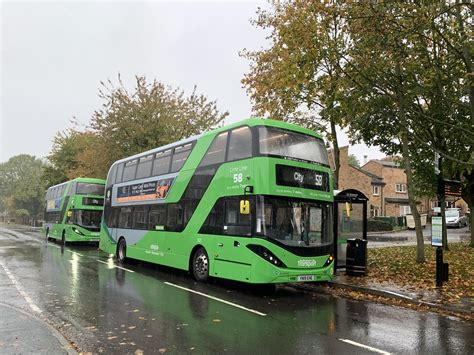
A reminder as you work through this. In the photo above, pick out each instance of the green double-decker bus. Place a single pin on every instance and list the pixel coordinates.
(251, 202)
(73, 210)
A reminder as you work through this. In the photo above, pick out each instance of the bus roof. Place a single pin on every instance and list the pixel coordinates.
(80, 179)
(246, 122)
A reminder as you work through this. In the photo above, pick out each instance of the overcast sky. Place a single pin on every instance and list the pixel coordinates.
(54, 55)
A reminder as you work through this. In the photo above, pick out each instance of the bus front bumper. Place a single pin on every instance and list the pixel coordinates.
(272, 274)
(78, 234)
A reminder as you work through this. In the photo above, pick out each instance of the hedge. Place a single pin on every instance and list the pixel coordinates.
(377, 225)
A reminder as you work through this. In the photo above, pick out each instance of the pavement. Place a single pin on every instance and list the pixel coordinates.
(424, 297)
(23, 332)
(23, 327)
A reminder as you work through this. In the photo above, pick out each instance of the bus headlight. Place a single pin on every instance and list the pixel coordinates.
(75, 230)
(266, 254)
(329, 260)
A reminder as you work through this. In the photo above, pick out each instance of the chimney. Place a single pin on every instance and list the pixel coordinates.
(365, 159)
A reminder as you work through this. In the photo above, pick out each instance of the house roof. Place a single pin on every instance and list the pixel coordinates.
(388, 163)
(376, 180)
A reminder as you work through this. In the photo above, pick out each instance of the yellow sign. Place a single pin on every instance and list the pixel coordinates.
(348, 209)
(244, 207)
(69, 213)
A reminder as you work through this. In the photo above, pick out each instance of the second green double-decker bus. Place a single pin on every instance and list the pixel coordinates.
(251, 202)
(74, 210)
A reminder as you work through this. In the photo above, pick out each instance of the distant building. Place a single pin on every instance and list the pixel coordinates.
(384, 183)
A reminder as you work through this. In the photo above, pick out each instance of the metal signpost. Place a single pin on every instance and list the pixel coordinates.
(436, 231)
(437, 241)
(445, 187)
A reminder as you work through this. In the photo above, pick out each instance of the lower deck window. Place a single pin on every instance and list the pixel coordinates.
(125, 217)
(225, 218)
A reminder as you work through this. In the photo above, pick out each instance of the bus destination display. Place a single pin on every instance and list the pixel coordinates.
(300, 177)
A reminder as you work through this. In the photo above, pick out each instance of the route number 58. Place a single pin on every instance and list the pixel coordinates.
(238, 178)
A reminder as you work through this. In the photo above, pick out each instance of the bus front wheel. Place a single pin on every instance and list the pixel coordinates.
(201, 265)
(121, 250)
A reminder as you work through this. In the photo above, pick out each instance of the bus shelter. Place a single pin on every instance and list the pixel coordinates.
(350, 221)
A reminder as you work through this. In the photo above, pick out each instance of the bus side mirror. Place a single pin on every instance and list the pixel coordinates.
(244, 207)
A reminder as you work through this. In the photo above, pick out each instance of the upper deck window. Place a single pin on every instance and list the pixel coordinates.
(144, 167)
(129, 170)
(162, 163)
(112, 174)
(180, 155)
(289, 144)
(84, 188)
(119, 172)
(240, 144)
(216, 152)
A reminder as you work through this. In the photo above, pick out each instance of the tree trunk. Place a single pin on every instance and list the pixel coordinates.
(420, 245)
(336, 152)
(471, 224)
(468, 196)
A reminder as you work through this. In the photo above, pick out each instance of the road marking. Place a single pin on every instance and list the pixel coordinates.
(73, 252)
(365, 346)
(115, 266)
(217, 299)
(20, 290)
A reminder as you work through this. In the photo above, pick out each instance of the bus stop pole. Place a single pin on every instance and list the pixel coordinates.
(439, 266)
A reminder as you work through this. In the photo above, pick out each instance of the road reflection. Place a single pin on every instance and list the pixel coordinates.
(104, 308)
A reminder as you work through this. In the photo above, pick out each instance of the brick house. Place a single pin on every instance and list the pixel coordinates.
(382, 181)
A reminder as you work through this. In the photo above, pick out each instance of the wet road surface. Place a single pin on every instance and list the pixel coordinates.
(104, 307)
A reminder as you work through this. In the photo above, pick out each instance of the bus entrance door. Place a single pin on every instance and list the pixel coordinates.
(231, 259)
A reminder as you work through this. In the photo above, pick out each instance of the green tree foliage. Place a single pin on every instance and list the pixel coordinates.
(401, 71)
(21, 187)
(409, 88)
(352, 160)
(151, 116)
(298, 78)
(128, 123)
(70, 157)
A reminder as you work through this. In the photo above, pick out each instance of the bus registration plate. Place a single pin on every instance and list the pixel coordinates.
(306, 278)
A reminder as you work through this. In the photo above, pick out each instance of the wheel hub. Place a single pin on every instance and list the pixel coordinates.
(202, 265)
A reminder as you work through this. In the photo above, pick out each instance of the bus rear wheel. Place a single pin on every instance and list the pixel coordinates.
(121, 250)
(200, 265)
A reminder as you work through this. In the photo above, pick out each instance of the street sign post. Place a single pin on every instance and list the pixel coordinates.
(437, 241)
(436, 163)
(436, 231)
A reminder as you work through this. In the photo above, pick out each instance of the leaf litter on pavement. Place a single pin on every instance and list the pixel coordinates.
(397, 267)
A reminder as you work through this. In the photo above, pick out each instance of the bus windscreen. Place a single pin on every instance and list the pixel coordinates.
(293, 145)
(90, 189)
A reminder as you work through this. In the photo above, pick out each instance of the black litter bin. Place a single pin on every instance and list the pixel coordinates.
(356, 257)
